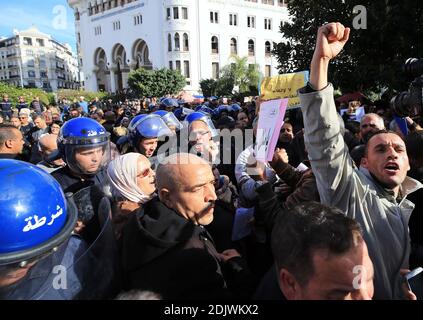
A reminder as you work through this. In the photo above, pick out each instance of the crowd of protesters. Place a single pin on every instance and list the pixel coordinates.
(163, 199)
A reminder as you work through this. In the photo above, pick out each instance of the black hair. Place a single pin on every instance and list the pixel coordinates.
(353, 126)
(7, 132)
(372, 134)
(307, 227)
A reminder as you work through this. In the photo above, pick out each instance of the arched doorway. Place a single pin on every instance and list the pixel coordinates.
(101, 69)
(121, 66)
(140, 55)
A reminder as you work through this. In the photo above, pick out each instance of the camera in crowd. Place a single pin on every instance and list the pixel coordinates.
(409, 103)
(128, 112)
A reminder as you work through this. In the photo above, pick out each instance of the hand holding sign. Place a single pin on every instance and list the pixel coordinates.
(270, 123)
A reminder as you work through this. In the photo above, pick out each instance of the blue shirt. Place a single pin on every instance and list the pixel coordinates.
(84, 105)
(5, 106)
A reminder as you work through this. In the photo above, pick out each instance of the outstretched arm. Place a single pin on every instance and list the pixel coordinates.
(327, 151)
(331, 38)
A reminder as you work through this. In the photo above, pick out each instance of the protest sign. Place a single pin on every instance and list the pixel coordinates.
(270, 123)
(284, 86)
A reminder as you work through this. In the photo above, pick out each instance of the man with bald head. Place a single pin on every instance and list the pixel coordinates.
(47, 144)
(165, 247)
(187, 191)
(370, 123)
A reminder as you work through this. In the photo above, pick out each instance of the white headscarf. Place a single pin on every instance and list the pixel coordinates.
(122, 173)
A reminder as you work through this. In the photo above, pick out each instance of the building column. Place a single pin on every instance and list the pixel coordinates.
(91, 82)
(133, 65)
(112, 69)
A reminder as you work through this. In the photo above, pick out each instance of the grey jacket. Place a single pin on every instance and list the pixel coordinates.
(383, 220)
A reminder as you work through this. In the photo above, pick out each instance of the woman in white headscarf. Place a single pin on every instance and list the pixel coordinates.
(132, 184)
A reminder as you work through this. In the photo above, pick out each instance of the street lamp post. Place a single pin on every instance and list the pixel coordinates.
(20, 72)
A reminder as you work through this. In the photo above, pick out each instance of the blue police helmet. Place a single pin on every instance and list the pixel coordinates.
(234, 107)
(161, 113)
(121, 142)
(206, 109)
(194, 116)
(134, 121)
(35, 217)
(170, 103)
(149, 126)
(170, 119)
(81, 133)
(216, 113)
(204, 117)
(179, 113)
(223, 107)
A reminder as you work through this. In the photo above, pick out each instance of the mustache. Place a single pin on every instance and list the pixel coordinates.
(210, 205)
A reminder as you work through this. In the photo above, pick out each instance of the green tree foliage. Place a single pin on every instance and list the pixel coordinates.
(29, 94)
(156, 83)
(220, 87)
(73, 95)
(372, 58)
(46, 98)
(239, 73)
(244, 75)
(208, 87)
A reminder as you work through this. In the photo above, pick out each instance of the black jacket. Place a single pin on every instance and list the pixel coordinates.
(169, 255)
(71, 183)
(11, 156)
(88, 276)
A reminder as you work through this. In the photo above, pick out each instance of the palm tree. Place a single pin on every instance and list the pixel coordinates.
(243, 74)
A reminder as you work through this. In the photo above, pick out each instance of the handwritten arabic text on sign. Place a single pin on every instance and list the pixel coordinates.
(284, 86)
(268, 129)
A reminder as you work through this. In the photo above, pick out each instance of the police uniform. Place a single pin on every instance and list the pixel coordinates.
(21, 105)
(6, 109)
(73, 183)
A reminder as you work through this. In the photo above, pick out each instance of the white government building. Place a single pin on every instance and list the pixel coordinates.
(197, 37)
(33, 59)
